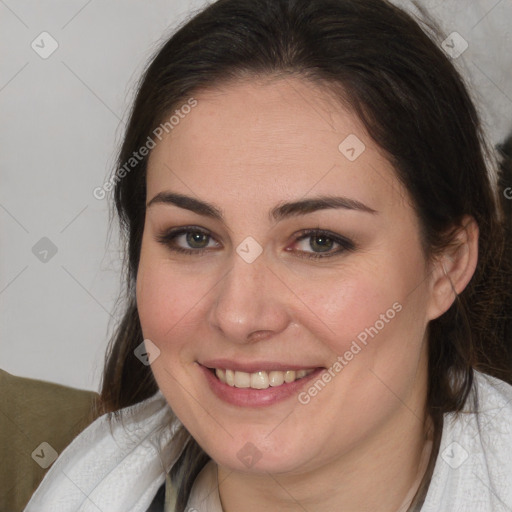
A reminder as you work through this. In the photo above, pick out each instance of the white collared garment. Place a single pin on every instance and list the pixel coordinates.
(122, 472)
(473, 470)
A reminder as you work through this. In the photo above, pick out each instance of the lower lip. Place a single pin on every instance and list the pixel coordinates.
(249, 397)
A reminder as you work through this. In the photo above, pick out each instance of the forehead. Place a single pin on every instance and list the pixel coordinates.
(280, 138)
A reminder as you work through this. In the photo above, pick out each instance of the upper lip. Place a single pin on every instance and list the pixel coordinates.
(255, 366)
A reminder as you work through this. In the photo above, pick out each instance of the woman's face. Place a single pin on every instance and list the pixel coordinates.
(340, 287)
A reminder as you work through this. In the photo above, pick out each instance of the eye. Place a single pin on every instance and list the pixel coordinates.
(196, 240)
(322, 242)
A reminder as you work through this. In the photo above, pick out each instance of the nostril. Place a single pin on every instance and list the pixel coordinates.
(259, 335)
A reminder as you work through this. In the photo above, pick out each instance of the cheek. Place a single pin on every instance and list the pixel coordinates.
(342, 308)
(379, 304)
(167, 300)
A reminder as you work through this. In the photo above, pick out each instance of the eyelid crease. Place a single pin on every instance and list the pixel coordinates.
(346, 245)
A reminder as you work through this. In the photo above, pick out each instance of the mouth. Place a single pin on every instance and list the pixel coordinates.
(261, 379)
(256, 388)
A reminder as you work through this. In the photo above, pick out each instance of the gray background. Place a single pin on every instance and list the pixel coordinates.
(62, 119)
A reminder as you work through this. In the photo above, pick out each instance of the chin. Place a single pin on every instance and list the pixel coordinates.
(259, 456)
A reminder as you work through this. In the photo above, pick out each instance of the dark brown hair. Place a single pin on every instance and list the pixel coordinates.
(381, 63)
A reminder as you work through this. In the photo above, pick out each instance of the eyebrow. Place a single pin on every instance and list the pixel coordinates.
(280, 212)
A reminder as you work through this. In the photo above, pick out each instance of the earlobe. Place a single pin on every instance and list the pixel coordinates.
(453, 270)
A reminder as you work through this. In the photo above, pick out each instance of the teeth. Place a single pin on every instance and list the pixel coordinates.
(259, 380)
(289, 376)
(276, 378)
(230, 377)
(242, 380)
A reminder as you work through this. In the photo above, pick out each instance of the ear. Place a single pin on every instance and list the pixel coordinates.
(454, 268)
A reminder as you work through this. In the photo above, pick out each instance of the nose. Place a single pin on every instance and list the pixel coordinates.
(251, 302)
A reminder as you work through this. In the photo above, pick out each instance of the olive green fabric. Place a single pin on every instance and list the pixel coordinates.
(33, 412)
(171, 495)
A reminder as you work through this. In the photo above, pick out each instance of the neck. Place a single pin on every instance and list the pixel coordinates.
(381, 476)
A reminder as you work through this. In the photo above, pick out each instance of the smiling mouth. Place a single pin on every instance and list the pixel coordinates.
(259, 380)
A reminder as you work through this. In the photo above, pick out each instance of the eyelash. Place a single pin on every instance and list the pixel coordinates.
(168, 237)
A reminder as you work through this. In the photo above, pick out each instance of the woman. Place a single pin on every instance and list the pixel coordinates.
(315, 262)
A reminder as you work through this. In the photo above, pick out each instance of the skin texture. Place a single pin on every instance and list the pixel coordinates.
(247, 147)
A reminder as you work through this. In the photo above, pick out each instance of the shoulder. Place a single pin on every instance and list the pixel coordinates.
(37, 406)
(473, 469)
(39, 419)
(129, 451)
(497, 391)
